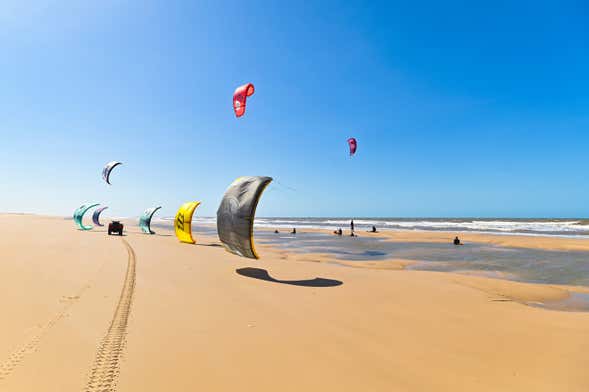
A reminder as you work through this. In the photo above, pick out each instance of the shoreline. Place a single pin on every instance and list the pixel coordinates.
(548, 243)
(525, 293)
(543, 242)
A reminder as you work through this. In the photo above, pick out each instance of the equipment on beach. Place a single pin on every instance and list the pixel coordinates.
(353, 144)
(236, 213)
(240, 96)
(108, 169)
(96, 215)
(183, 221)
(145, 220)
(79, 215)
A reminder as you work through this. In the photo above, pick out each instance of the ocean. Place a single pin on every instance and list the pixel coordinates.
(549, 227)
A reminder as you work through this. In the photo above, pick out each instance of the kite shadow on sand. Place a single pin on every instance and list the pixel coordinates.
(262, 274)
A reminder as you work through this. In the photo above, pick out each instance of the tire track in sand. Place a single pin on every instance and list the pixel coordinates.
(105, 371)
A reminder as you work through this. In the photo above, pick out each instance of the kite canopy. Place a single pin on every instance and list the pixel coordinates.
(79, 215)
(183, 221)
(353, 145)
(240, 96)
(107, 169)
(145, 220)
(96, 215)
(235, 216)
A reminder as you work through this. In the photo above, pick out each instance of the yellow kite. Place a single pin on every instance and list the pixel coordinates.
(183, 220)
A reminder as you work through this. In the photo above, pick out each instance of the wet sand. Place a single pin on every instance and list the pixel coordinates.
(523, 241)
(525, 264)
(85, 311)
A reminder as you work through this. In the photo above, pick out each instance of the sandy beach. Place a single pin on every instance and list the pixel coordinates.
(83, 311)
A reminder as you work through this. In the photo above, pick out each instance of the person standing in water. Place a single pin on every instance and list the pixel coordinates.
(352, 227)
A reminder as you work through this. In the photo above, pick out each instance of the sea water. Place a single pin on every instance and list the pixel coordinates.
(574, 227)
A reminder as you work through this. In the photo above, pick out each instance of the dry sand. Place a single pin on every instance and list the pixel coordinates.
(84, 311)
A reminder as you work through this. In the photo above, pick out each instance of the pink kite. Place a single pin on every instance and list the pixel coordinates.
(353, 145)
(239, 97)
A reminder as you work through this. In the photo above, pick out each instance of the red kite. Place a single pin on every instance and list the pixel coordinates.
(239, 97)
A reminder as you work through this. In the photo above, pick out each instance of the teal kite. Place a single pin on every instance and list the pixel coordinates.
(79, 215)
(145, 220)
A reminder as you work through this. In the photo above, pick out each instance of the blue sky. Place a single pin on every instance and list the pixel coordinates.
(460, 109)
